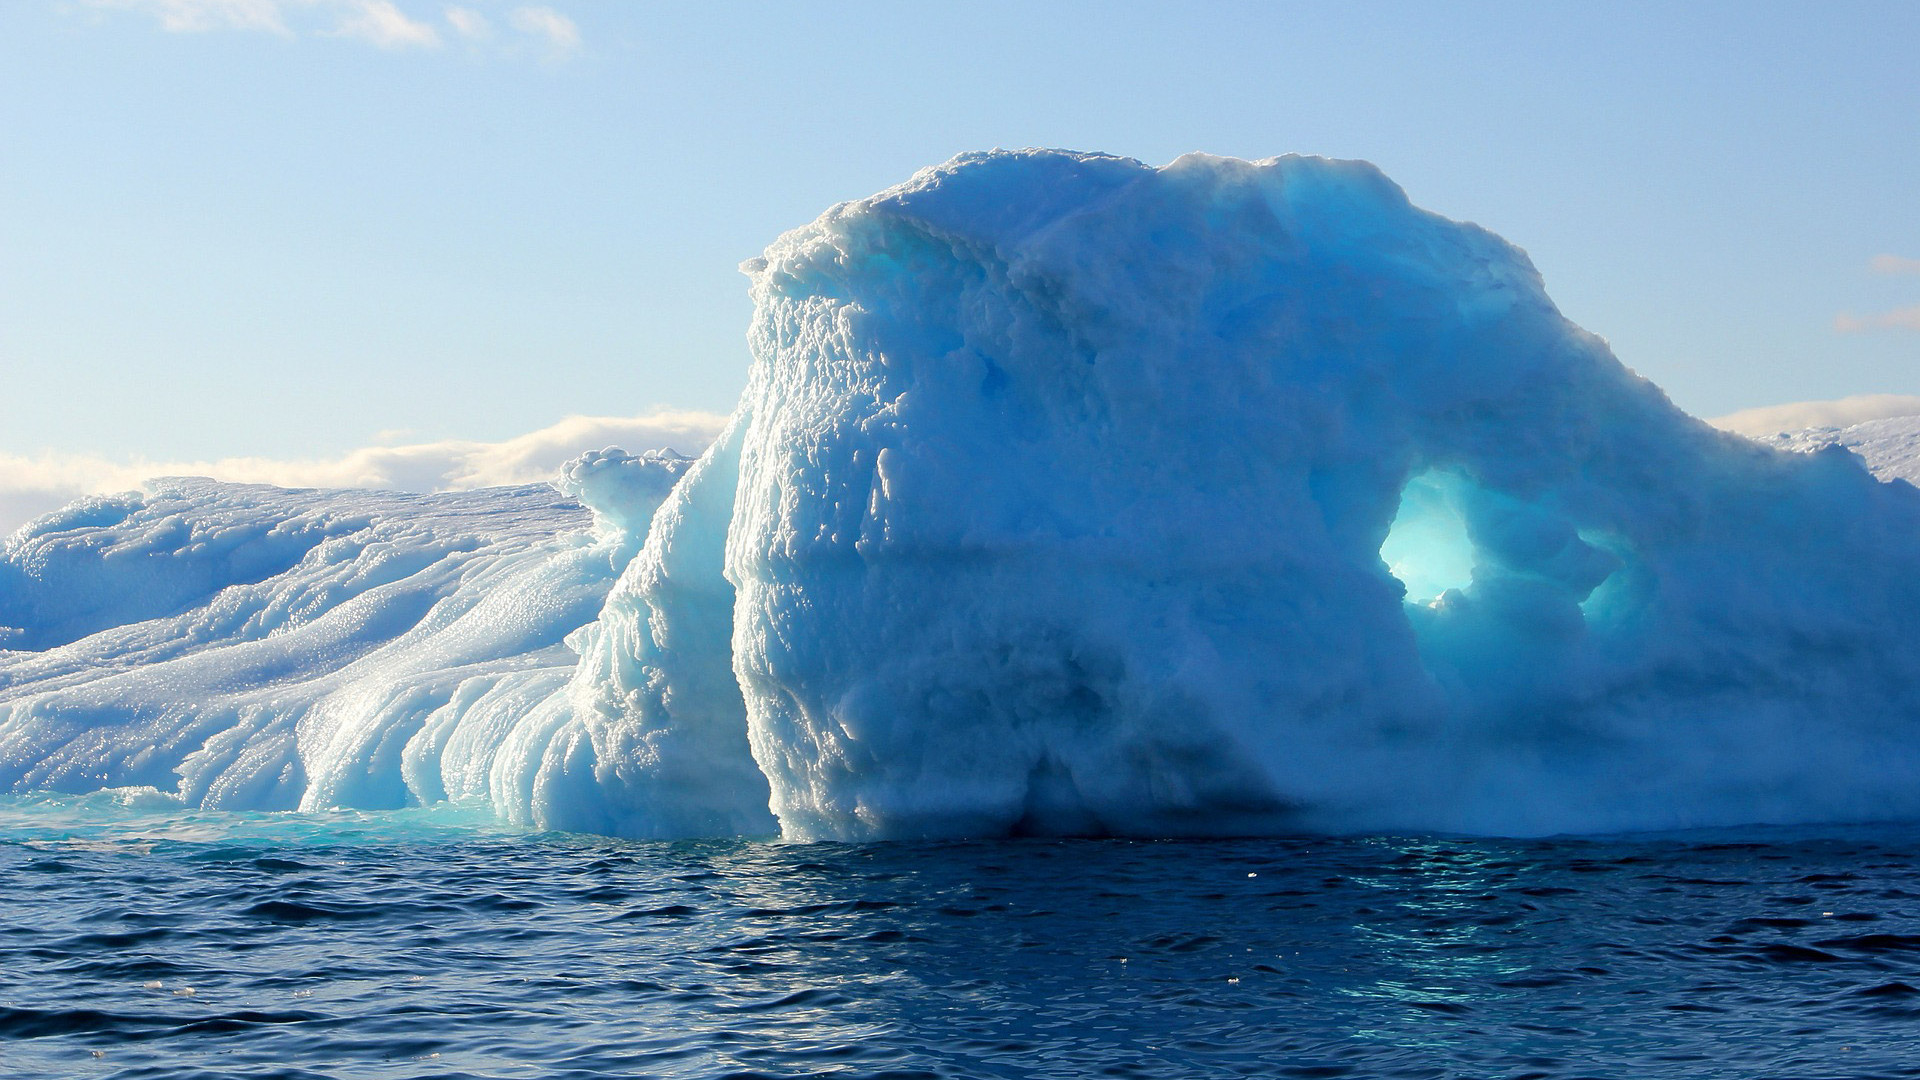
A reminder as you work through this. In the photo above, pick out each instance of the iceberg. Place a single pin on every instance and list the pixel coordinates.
(1067, 496)
(1063, 497)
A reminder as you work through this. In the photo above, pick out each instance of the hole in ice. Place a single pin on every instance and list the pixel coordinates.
(1427, 546)
(1612, 596)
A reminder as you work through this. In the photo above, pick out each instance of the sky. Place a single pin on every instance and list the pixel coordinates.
(318, 235)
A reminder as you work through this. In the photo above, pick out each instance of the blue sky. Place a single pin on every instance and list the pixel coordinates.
(289, 229)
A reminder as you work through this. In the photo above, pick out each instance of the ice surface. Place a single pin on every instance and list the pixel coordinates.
(252, 647)
(649, 737)
(1890, 447)
(1068, 495)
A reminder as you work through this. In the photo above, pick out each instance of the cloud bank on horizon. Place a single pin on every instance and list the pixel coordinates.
(31, 486)
(383, 23)
(1803, 415)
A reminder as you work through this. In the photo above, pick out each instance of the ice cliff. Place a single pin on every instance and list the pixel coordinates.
(1067, 495)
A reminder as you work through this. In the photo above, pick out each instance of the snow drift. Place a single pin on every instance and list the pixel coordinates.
(1068, 495)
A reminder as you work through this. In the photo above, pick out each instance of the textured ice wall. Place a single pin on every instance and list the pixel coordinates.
(1063, 495)
(252, 647)
(649, 736)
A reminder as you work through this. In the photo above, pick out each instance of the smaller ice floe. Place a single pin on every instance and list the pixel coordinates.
(1890, 446)
(244, 646)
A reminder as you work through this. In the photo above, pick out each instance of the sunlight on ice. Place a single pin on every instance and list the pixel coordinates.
(1067, 496)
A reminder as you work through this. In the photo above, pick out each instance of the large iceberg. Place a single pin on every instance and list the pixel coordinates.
(1890, 446)
(1067, 496)
(1063, 498)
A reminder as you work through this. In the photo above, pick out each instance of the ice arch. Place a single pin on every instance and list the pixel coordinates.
(1063, 489)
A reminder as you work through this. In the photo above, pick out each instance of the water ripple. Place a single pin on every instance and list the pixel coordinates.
(1764, 954)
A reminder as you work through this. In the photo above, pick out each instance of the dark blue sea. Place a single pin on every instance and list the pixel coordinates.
(149, 944)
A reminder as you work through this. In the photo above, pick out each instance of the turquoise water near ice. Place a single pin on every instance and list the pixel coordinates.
(151, 942)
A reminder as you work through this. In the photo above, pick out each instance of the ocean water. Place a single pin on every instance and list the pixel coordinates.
(147, 942)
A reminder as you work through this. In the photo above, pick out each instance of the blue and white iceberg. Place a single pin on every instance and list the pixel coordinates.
(1067, 495)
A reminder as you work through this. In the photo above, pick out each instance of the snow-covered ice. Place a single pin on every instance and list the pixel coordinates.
(1890, 446)
(254, 647)
(1067, 495)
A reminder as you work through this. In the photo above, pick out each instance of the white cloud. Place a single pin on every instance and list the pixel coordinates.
(469, 23)
(194, 16)
(385, 25)
(31, 486)
(389, 24)
(1894, 264)
(561, 35)
(1906, 318)
(1801, 415)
